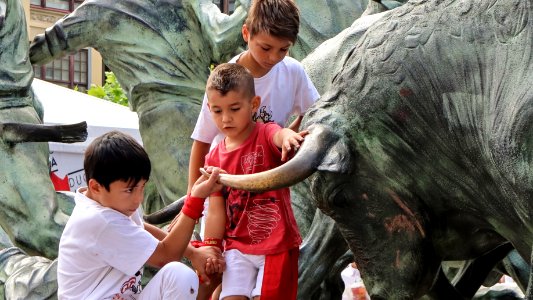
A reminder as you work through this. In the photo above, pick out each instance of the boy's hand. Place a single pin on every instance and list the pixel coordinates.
(206, 185)
(207, 260)
(291, 141)
(215, 265)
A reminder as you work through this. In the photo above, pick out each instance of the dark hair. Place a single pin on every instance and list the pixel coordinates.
(231, 77)
(279, 18)
(116, 156)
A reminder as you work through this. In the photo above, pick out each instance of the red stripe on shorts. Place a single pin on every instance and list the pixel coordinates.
(280, 279)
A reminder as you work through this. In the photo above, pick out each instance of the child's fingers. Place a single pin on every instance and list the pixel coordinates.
(284, 153)
(303, 133)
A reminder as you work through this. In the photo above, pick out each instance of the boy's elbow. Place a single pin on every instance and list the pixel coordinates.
(163, 255)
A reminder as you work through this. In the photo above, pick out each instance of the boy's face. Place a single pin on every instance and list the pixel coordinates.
(122, 196)
(232, 113)
(266, 50)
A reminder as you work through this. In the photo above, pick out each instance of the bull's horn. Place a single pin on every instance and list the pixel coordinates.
(301, 166)
(167, 213)
(27, 132)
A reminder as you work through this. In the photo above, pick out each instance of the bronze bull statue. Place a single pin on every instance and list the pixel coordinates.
(421, 151)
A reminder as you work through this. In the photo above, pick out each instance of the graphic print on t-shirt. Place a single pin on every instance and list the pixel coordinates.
(130, 286)
(262, 214)
(263, 217)
(252, 159)
(263, 115)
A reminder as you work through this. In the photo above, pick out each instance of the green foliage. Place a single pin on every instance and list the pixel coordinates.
(111, 91)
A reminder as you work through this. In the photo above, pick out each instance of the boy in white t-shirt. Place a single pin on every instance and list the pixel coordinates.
(105, 243)
(270, 29)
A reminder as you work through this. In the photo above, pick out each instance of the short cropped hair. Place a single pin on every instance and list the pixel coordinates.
(116, 156)
(228, 77)
(279, 18)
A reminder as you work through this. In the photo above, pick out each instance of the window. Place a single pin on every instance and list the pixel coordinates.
(69, 71)
(67, 5)
(226, 6)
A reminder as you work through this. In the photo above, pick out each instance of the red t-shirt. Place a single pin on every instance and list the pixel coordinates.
(262, 223)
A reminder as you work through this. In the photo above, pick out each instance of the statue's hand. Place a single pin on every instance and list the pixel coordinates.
(39, 51)
(245, 4)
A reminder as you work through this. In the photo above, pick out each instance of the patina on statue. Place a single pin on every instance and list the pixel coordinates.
(426, 144)
(32, 215)
(164, 68)
(147, 71)
(385, 131)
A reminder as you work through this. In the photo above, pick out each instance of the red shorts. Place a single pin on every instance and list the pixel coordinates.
(280, 279)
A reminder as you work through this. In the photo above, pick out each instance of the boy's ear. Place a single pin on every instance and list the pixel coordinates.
(256, 101)
(94, 186)
(245, 33)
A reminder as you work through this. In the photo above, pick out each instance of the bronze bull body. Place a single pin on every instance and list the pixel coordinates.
(421, 150)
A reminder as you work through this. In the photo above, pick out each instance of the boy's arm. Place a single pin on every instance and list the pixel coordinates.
(295, 125)
(173, 246)
(196, 161)
(199, 257)
(288, 140)
(215, 223)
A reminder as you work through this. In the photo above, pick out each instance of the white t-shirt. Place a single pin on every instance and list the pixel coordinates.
(102, 252)
(285, 91)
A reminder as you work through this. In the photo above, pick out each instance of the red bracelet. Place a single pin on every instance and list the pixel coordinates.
(193, 207)
(214, 242)
(208, 242)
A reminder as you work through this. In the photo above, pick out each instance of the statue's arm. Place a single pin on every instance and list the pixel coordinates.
(2, 12)
(68, 35)
(224, 31)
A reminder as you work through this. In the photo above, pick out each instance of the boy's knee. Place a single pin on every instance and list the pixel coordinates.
(180, 276)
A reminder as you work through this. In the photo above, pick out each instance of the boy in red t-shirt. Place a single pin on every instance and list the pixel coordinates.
(259, 230)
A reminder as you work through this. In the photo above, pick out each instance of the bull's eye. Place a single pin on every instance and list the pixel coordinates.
(339, 197)
(330, 196)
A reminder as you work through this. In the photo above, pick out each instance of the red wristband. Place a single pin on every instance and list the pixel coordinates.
(208, 242)
(197, 244)
(193, 207)
(214, 242)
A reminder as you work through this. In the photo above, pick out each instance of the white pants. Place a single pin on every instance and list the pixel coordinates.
(243, 275)
(174, 281)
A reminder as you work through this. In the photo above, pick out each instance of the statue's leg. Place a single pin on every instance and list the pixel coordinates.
(27, 277)
(517, 268)
(320, 250)
(529, 291)
(333, 286)
(472, 276)
(302, 206)
(443, 289)
(30, 214)
(166, 131)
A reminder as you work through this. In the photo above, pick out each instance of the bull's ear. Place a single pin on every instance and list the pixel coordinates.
(336, 153)
(337, 158)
